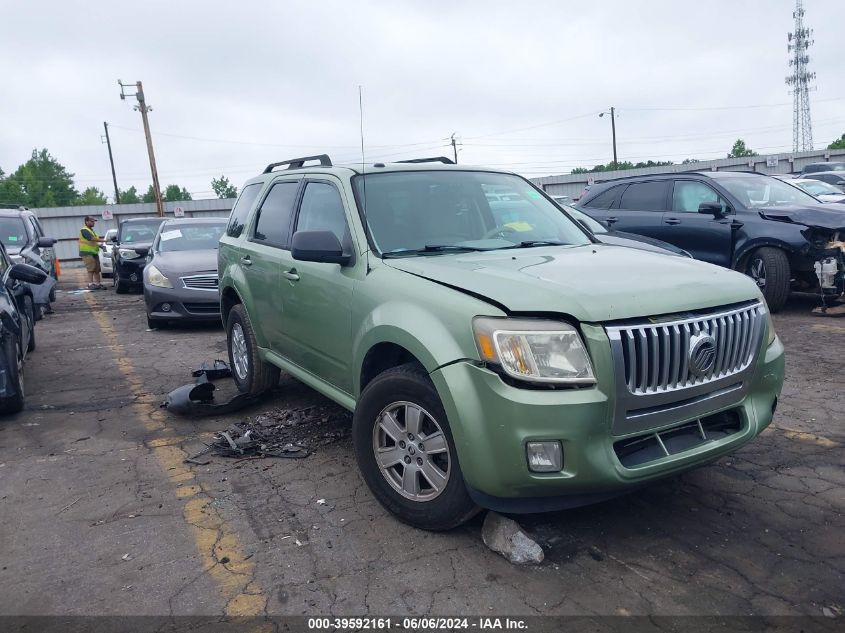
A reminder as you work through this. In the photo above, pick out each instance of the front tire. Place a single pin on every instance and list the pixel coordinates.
(769, 267)
(14, 358)
(406, 452)
(252, 375)
(29, 310)
(120, 286)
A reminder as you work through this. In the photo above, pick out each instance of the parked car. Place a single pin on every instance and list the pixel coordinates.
(562, 199)
(749, 222)
(521, 367)
(17, 328)
(129, 252)
(826, 166)
(23, 237)
(835, 178)
(820, 189)
(106, 261)
(620, 238)
(180, 278)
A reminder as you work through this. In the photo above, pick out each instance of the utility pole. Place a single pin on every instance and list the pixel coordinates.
(143, 108)
(613, 129)
(111, 160)
(454, 147)
(800, 80)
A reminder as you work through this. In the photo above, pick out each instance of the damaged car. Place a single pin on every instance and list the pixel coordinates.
(520, 367)
(732, 219)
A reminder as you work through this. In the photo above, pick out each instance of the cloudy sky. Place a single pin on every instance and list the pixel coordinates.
(236, 85)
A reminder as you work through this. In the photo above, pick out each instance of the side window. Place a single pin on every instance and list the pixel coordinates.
(273, 224)
(688, 194)
(36, 230)
(322, 210)
(604, 200)
(4, 263)
(237, 220)
(645, 196)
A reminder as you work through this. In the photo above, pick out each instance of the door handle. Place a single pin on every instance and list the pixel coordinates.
(290, 275)
(611, 220)
(246, 261)
(672, 221)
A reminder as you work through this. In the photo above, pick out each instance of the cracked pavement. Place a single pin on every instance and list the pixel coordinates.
(98, 514)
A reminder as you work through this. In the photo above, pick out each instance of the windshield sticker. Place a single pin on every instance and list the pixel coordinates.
(171, 235)
(533, 194)
(519, 227)
(13, 238)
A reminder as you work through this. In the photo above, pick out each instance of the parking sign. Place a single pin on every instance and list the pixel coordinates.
(179, 212)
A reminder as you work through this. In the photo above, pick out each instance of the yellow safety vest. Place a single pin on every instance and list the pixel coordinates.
(88, 247)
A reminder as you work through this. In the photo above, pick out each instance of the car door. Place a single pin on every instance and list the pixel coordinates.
(45, 253)
(263, 260)
(705, 236)
(317, 297)
(641, 208)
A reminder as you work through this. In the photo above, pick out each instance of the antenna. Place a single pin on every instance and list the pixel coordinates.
(800, 81)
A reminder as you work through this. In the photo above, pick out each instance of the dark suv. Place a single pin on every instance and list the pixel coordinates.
(766, 228)
(817, 167)
(129, 252)
(23, 236)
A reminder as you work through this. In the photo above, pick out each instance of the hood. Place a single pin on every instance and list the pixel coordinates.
(828, 216)
(630, 240)
(592, 283)
(186, 262)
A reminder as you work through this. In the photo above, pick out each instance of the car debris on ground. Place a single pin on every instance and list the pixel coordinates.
(197, 398)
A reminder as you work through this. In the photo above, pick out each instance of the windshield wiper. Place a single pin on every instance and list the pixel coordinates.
(530, 243)
(434, 248)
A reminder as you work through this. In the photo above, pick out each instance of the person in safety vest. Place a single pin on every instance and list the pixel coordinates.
(89, 251)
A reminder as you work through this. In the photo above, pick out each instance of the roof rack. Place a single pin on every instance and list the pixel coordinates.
(298, 163)
(433, 159)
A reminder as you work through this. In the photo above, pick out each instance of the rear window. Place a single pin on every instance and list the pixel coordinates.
(139, 231)
(604, 200)
(237, 220)
(816, 167)
(645, 196)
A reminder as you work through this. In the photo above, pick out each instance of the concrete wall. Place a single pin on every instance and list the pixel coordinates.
(573, 184)
(64, 223)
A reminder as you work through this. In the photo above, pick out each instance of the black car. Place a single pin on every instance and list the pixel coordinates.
(17, 328)
(23, 237)
(129, 252)
(774, 232)
(813, 168)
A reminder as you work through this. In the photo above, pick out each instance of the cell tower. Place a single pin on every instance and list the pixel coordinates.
(799, 81)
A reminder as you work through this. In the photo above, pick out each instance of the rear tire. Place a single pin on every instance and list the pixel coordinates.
(252, 375)
(400, 419)
(14, 403)
(769, 267)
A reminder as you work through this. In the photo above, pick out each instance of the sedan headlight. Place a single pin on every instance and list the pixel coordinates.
(534, 349)
(156, 278)
(129, 253)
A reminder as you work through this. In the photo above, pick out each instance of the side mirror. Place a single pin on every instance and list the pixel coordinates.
(46, 242)
(30, 274)
(318, 246)
(711, 208)
(113, 239)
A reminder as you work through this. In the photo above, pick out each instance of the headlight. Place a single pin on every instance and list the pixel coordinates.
(771, 327)
(155, 278)
(128, 253)
(534, 350)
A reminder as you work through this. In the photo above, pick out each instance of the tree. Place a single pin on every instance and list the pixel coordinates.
(223, 188)
(10, 191)
(91, 196)
(611, 166)
(838, 143)
(130, 196)
(174, 193)
(149, 196)
(739, 150)
(41, 182)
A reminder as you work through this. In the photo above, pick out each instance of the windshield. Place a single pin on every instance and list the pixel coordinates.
(759, 191)
(430, 211)
(190, 237)
(139, 231)
(819, 187)
(13, 232)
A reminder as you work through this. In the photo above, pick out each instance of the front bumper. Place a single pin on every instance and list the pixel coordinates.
(492, 421)
(186, 304)
(130, 271)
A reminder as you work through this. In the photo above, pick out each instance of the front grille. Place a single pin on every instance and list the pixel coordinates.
(684, 366)
(657, 356)
(202, 308)
(201, 282)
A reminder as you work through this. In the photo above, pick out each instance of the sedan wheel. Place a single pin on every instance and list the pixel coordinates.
(240, 355)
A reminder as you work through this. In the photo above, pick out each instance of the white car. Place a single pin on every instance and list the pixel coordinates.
(106, 262)
(822, 190)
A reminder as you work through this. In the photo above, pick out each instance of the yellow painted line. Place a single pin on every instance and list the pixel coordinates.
(837, 329)
(214, 538)
(802, 436)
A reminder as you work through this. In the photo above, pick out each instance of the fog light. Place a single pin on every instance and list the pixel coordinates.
(165, 307)
(544, 457)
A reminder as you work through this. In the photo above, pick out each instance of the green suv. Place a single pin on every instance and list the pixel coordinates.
(493, 352)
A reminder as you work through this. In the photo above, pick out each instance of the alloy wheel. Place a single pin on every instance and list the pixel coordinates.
(240, 354)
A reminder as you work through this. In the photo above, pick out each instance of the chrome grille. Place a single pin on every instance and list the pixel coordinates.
(201, 282)
(661, 377)
(657, 355)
